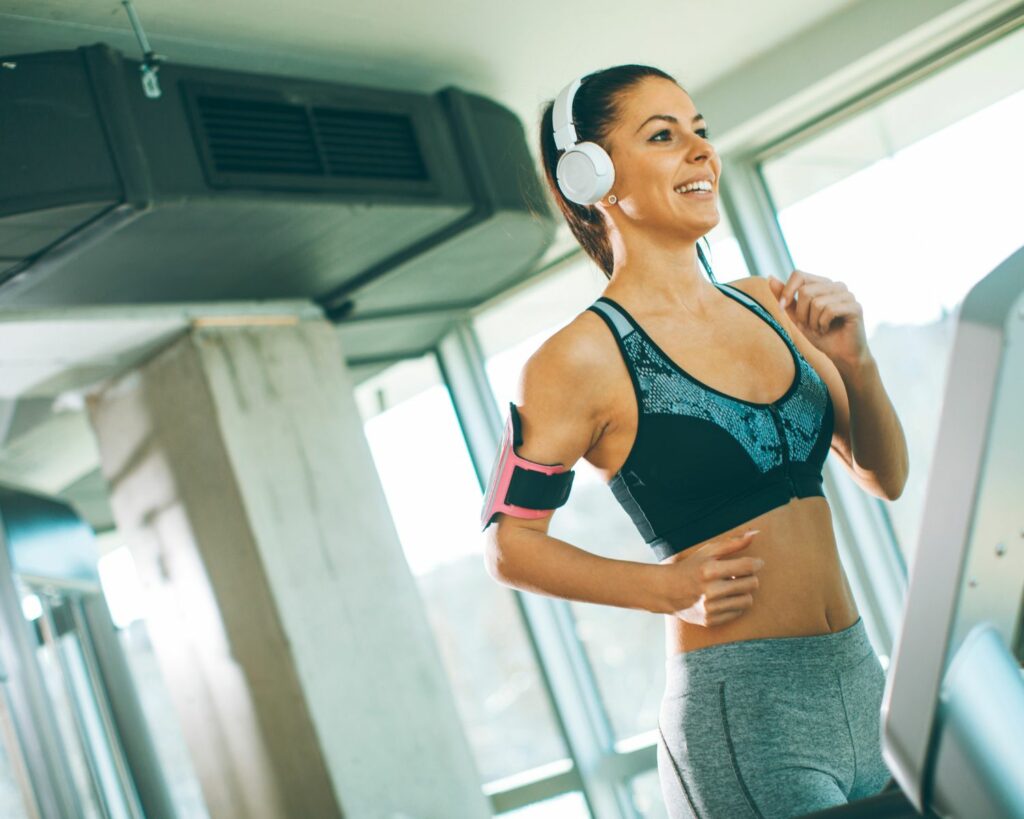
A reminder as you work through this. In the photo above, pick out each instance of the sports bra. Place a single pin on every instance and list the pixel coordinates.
(703, 461)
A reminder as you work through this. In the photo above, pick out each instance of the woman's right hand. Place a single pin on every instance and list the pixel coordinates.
(704, 589)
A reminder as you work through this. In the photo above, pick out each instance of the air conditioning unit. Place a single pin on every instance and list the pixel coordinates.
(394, 211)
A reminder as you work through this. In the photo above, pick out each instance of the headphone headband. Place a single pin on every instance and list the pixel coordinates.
(561, 113)
(584, 172)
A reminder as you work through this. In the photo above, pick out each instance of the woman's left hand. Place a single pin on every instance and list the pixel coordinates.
(827, 313)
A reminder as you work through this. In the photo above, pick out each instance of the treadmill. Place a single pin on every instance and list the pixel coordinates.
(952, 716)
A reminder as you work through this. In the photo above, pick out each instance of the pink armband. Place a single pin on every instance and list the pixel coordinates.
(520, 487)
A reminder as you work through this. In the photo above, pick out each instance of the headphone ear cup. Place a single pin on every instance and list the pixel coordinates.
(585, 173)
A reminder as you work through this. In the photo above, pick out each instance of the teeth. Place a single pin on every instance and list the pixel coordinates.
(701, 185)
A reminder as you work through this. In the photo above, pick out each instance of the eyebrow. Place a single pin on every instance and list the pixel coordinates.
(668, 117)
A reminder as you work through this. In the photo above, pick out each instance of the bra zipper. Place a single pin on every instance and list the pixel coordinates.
(785, 448)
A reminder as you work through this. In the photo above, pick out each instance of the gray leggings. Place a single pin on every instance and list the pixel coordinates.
(771, 728)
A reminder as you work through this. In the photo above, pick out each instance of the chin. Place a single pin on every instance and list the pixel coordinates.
(703, 226)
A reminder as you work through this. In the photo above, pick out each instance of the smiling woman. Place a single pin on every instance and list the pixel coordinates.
(588, 111)
(709, 412)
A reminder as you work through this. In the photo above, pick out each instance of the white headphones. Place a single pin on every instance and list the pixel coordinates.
(585, 171)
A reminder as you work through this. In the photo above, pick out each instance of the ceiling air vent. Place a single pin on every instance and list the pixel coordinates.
(242, 136)
(396, 212)
(253, 136)
(366, 143)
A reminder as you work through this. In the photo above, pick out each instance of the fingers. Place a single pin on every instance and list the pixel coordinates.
(735, 567)
(826, 309)
(808, 301)
(738, 603)
(807, 297)
(723, 617)
(796, 278)
(719, 589)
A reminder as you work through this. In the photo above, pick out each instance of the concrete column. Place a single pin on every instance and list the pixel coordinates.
(287, 624)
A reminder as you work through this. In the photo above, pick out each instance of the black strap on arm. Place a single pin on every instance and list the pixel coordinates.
(535, 490)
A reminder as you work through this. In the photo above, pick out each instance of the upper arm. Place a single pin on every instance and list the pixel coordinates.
(757, 287)
(558, 398)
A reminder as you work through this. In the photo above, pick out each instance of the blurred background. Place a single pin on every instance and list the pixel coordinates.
(268, 275)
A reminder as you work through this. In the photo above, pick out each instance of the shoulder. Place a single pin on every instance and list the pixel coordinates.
(566, 380)
(755, 287)
(573, 360)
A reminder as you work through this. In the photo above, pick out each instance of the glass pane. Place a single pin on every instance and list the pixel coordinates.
(566, 806)
(538, 310)
(118, 803)
(434, 498)
(647, 798)
(626, 648)
(15, 788)
(64, 712)
(909, 204)
(726, 258)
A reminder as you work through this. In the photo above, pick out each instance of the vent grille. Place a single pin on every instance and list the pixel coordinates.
(360, 143)
(246, 136)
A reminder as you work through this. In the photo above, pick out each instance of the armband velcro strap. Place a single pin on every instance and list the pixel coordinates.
(535, 490)
(519, 486)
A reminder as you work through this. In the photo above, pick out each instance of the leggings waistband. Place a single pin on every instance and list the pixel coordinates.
(816, 652)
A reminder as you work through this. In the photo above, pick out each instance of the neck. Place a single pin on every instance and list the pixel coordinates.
(658, 279)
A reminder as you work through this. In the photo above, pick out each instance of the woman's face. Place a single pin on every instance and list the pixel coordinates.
(660, 142)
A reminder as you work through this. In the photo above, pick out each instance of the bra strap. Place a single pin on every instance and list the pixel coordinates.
(756, 306)
(621, 324)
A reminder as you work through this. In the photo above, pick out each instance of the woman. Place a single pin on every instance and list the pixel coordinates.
(710, 409)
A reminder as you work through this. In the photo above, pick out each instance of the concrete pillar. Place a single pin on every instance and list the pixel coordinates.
(287, 624)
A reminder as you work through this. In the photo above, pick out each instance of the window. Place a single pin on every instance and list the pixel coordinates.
(434, 499)
(647, 795)
(909, 204)
(566, 806)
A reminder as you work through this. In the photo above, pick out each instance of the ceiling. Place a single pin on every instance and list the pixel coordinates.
(517, 54)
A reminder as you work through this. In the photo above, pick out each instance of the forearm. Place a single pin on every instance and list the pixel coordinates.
(879, 447)
(537, 562)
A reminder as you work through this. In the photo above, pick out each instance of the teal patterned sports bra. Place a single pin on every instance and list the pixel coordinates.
(702, 461)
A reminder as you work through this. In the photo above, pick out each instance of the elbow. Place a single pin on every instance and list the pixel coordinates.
(894, 491)
(901, 484)
(897, 491)
(497, 554)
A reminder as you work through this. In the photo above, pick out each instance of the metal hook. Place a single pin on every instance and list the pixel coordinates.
(150, 61)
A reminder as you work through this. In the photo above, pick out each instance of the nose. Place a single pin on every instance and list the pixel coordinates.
(700, 149)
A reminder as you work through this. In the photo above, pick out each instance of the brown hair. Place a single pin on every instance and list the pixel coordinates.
(594, 111)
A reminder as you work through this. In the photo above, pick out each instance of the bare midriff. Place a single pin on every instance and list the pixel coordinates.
(802, 589)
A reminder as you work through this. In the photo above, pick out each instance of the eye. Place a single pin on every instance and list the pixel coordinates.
(702, 131)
